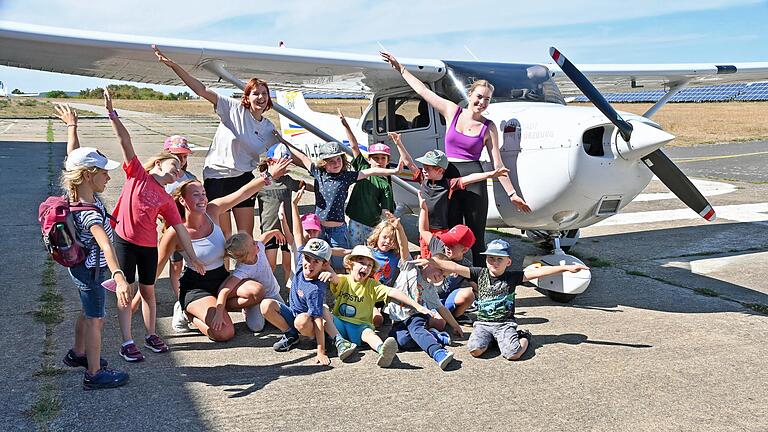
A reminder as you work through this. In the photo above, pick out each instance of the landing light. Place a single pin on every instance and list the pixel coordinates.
(565, 217)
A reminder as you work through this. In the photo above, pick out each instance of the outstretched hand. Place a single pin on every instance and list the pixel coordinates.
(520, 204)
(279, 168)
(500, 172)
(107, 100)
(389, 58)
(161, 57)
(342, 118)
(66, 114)
(297, 196)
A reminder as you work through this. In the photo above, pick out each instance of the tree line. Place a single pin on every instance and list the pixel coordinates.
(122, 91)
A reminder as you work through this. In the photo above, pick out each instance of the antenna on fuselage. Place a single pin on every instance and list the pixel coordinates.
(471, 53)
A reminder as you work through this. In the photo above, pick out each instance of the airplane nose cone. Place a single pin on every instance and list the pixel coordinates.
(645, 139)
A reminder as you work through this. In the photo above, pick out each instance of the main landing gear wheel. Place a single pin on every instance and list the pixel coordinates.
(543, 239)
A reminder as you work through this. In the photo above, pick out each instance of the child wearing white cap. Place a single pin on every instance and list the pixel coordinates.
(85, 176)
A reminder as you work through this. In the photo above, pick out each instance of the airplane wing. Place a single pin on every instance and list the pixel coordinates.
(622, 78)
(130, 58)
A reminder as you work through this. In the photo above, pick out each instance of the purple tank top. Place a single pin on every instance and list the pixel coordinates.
(460, 146)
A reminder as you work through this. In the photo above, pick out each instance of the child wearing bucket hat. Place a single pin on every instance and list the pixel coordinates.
(85, 176)
(333, 179)
(371, 198)
(356, 294)
(496, 285)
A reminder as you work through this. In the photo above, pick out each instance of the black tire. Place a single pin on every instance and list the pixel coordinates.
(559, 297)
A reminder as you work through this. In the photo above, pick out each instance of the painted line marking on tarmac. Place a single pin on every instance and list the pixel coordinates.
(748, 213)
(706, 187)
(12, 124)
(709, 158)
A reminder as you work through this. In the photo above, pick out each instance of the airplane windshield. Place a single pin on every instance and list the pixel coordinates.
(512, 82)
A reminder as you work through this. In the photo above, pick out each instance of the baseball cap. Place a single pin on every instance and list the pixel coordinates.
(317, 248)
(177, 144)
(278, 151)
(460, 234)
(88, 157)
(311, 221)
(434, 158)
(329, 149)
(362, 251)
(379, 148)
(497, 247)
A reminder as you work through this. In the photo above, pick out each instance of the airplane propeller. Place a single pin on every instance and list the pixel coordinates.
(664, 169)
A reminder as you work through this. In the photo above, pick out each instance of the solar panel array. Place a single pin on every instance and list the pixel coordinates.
(721, 93)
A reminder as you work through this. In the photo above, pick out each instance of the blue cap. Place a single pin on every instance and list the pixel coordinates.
(278, 151)
(498, 247)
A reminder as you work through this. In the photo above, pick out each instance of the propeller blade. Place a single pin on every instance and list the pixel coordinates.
(678, 183)
(591, 93)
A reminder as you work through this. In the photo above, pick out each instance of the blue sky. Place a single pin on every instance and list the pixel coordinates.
(598, 31)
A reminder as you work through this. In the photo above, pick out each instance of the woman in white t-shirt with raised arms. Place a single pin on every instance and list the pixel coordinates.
(242, 137)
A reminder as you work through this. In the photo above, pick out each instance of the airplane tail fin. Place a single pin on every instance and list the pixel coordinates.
(294, 101)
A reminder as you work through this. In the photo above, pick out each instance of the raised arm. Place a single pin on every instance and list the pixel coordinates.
(380, 172)
(492, 145)
(400, 296)
(402, 239)
(69, 117)
(404, 155)
(552, 270)
(446, 265)
(122, 133)
(269, 235)
(353, 144)
(298, 231)
(446, 107)
(299, 156)
(193, 83)
(219, 205)
(424, 231)
(286, 229)
(482, 176)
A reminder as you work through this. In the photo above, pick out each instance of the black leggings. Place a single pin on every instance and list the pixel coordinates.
(471, 206)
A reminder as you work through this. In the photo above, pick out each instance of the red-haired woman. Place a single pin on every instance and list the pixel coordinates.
(242, 137)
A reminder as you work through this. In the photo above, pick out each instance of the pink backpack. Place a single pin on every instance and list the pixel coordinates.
(59, 232)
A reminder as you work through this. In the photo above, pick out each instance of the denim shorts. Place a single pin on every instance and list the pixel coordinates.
(92, 294)
(336, 237)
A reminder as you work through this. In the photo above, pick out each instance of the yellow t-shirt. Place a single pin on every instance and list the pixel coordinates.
(355, 300)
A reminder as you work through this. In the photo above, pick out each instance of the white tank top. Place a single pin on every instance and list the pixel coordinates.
(210, 249)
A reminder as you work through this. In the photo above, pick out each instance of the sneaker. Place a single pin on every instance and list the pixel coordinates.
(131, 353)
(180, 323)
(524, 334)
(443, 338)
(443, 358)
(464, 319)
(104, 378)
(156, 344)
(472, 307)
(74, 360)
(387, 352)
(345, 348)
(286, 343)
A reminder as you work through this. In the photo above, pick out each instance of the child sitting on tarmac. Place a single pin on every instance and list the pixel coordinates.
(410, 328)
(306, 312)
(496, 285)
(252, 264)
(356, 293)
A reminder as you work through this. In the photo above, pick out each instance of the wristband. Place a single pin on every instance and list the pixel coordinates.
(267, 178)
(116, 272)
(512, 194)
(72, 125)
(112, 115)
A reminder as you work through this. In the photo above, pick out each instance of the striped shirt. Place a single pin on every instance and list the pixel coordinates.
(86, 219)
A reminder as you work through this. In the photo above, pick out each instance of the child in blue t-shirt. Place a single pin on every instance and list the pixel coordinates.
(333, 178)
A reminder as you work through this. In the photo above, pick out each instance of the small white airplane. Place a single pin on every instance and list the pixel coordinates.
(575, 166)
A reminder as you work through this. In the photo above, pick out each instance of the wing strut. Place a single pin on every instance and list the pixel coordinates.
(219, 70)
(675, 89)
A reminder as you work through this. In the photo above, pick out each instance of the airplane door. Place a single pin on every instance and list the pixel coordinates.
(406, 113)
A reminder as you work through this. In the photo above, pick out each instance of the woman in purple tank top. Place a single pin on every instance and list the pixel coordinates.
(465, 138)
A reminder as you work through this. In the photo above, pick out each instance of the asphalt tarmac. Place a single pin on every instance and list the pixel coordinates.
(663, 338)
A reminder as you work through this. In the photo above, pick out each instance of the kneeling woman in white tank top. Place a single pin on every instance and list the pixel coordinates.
(201, 295)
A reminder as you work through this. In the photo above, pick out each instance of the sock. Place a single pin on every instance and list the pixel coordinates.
(338, 339)
(292, 333)
(378, 348)
(128, 342)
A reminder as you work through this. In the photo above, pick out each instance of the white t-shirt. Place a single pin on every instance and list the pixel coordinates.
(260, 272)
(239, 141)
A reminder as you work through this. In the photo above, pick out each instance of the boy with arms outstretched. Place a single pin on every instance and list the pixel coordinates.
(496, 285)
